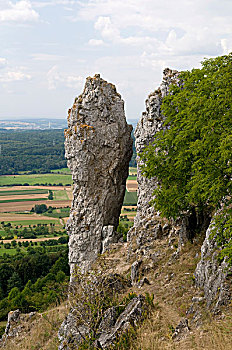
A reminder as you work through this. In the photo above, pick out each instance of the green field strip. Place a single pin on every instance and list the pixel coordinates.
(22, 200)
(132, 177)
(60, 195)
(22, 192)
(57, 215)
(36, 179)
(61, 171)
(11, 251)
(130, 198)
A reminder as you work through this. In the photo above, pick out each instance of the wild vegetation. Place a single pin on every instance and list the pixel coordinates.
(32, 281)
(191, 157)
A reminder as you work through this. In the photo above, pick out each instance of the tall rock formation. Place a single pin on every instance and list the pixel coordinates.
(149, 124)
(147, 220)
(98, 148)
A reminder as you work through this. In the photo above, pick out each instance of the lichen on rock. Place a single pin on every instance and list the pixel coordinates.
(98, 148)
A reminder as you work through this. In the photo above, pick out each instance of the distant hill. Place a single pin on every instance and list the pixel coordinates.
(41, 124)
(33, 124)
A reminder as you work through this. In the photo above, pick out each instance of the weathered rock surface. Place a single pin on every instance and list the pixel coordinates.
(98, 147)
(110, 328)
(149, 124)
(148, 224)
(70, 333)
(17, 324)
(211, 275)
(181, 330)
(129, 317)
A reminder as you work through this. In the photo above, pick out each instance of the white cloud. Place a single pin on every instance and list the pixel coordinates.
(108, 30)
(20, 11)
(176, 27)
(43, 4)
(55, 79)
(12, 76)
(96, 42)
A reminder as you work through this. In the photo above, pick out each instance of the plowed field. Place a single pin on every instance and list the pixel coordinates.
(23, 206)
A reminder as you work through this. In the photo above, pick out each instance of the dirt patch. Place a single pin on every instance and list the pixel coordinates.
(23, 206)
(132, 185)
(22, 217)
(30, 239)
(23, 196)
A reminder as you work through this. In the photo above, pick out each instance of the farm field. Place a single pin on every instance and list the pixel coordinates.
(28, 205)
(130, 198)
(17, 201)
(35, 179)
(132, 185)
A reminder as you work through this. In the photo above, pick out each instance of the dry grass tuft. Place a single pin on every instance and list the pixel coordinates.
(155, 334)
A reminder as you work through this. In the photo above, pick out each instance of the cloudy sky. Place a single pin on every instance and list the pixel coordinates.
(49, 47)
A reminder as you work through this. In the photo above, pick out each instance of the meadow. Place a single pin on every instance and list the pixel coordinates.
(36, 179)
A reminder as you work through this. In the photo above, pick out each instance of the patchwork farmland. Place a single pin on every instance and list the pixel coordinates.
(21, 194)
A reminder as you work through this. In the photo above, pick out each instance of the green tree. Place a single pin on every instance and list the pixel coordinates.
(50, 196)
(40, 208)
(14, 281)
(191, 157)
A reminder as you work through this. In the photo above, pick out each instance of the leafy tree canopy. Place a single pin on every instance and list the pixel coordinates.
(191, 157)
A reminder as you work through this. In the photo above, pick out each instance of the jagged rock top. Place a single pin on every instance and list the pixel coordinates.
(98, 95)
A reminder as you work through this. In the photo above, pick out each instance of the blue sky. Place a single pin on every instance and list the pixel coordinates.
(49, 47)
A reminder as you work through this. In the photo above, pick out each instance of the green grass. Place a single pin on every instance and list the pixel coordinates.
(60, 195)
(64, 210)
(22, 200)
(63, 177)
(129, 213)
(132, 177)
(130, 198)
(11, 251)
(36, 179)
(57, 215)
(61, 171)
(22, 192)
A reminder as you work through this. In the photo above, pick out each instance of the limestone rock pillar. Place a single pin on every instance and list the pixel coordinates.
(98, 148)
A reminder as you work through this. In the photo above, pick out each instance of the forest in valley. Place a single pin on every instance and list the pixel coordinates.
(34, 151)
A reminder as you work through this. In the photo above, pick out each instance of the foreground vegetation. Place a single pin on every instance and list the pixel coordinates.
(32, 281)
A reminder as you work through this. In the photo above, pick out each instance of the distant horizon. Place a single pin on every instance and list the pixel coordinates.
(44, 118)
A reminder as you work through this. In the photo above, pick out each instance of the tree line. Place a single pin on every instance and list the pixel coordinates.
(34, 151)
